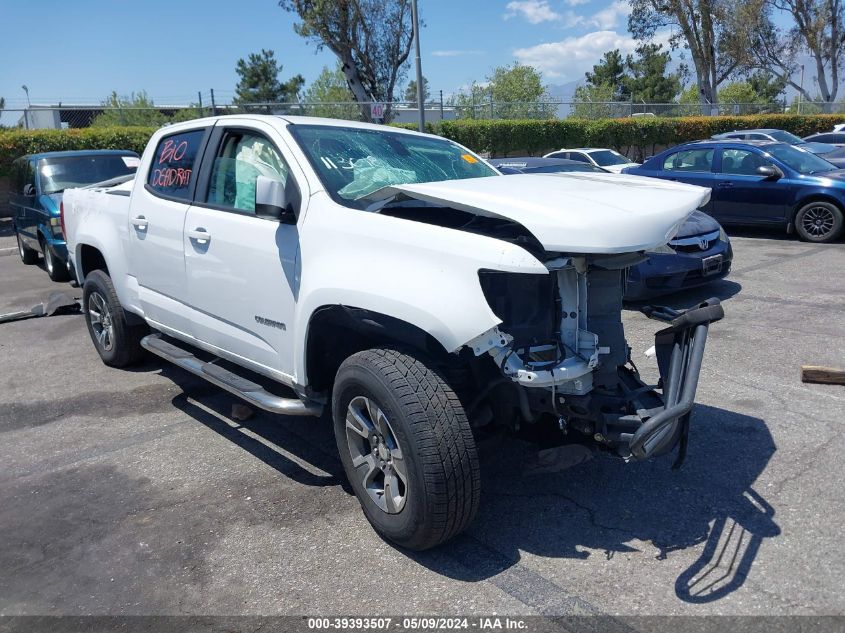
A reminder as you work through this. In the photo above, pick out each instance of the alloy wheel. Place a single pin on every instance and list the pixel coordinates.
(48, 259)
(101, 321)
(376, 455)
(818, 221)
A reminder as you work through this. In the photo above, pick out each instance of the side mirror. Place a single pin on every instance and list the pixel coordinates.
(273, 200)
(29, 189)
(769, 172)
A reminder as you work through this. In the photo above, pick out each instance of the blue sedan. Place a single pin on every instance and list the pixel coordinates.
(759, 183)
(700, 252)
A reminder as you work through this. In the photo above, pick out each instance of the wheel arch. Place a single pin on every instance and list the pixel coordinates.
(815, 197)
(335, 332)
(90, 258)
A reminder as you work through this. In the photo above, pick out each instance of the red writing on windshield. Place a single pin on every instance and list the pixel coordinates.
(172, 151)
(171, 177)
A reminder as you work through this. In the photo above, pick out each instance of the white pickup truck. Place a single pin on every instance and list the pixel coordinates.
(398, 281)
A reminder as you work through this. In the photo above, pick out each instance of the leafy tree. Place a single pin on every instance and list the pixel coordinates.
(702, 26)
(816, 30)
(371, 39)
(137, 109)
(518, 93)
(649, 80)
(193, 111)
(767, 87)
(594, 101)
(259, 80)
(411, 91)
(329, 96)
(610, 71)
(472, 102)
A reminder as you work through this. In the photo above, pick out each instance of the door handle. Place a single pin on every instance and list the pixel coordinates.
(200, 235)
(724, 185)
(140, 223)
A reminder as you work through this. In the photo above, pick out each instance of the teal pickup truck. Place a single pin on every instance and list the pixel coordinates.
(38, 181)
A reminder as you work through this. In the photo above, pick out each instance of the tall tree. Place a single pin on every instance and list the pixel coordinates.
(329, 96)
(817, 30)
(698, 25)
(371, 39)
(519, 92)
(649, 80)
(411, 91)
(610, 71)
(259, 80)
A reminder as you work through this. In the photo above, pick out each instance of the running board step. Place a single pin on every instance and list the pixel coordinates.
(253, 393)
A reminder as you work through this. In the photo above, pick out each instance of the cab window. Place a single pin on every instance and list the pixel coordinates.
(242, 157)
(689, 160)
(173, 171)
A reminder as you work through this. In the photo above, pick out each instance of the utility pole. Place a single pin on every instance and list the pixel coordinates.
(28, 106)
(415, 18)
(213, 105)
(800, 92)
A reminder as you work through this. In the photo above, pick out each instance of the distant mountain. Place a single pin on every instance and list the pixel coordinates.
(564, 92)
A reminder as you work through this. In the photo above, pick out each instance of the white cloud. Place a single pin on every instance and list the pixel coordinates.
(575, 3)
(454, 53)
(570, 58)
(611, 15)
(535, 11)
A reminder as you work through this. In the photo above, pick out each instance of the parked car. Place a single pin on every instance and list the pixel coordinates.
(38, 181)
(533, 165)
(836, 158)
(759, 183)
(770, 134)
(396, 279)
(699, 253)
(830, 138)
(609, 159)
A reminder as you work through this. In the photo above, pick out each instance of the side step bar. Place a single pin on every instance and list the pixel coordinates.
(247, 390)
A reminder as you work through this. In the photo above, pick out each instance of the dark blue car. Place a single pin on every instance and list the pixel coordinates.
(700, 252)
(38, 181)
(759, 183)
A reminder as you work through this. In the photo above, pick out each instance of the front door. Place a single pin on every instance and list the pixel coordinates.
(744, 196)
(242, 269)
(156, 225)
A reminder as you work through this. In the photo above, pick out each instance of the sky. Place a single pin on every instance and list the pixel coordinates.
(78, 53)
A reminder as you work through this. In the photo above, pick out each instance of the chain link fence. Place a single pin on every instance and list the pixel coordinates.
(81, 116)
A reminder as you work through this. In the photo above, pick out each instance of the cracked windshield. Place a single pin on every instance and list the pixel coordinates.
(353, 163)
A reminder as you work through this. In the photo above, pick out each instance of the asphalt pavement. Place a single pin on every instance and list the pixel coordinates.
(135, 492)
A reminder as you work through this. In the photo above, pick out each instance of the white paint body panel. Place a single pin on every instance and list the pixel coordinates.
(422, 274)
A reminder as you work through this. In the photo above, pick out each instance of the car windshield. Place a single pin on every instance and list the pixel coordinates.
(606, 157)
(354, 162)
(557, 169)
(786, 137)
(60, 173)
(798, 159)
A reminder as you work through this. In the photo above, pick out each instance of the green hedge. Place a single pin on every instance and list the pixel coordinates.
(15, 143)
(636, 137)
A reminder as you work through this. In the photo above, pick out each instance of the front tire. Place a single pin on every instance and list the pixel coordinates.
(407, 448)
(28, 256)
(56, 268)
(818, 222)
(118, 343)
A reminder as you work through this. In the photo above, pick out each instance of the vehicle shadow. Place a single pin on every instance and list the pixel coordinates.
(6, 229)
(604, 507)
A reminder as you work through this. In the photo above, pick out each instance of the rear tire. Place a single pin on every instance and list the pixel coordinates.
(818, 222)
(56, 268)
(28, 255)
(406, 447)
(117, 342)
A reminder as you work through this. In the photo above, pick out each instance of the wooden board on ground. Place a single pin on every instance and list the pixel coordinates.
(824, 375)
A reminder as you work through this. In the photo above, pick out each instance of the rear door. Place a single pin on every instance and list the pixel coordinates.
(242, 269)
(24, 201)
(743, 196)
(692, 165)
(156, 227)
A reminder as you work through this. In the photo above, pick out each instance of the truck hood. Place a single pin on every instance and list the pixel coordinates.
(570, 212)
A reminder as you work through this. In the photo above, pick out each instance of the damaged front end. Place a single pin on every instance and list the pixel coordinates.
(561, 343)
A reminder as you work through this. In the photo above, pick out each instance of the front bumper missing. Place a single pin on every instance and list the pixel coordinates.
(680, 351)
